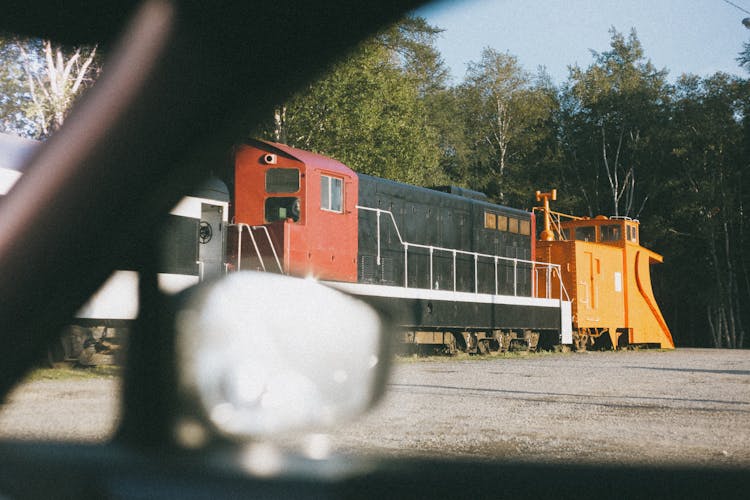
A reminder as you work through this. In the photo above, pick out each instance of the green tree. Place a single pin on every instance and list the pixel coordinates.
(703, 231)
(612, 117)
(56, 81)
(506, 117)
(743, 58)
(14, 93)
(369, 111)
(40, 82)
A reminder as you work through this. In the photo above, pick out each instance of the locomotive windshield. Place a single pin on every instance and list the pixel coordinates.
(282, 180)
(281, 208)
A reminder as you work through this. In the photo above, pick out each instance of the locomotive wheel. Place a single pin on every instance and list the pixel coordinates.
(581, 339)
(483, 346)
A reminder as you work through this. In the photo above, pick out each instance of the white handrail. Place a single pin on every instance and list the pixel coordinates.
(550, 268)
(250, 230)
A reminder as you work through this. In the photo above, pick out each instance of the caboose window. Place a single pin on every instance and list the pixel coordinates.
(611, 233)
(632, 234)
(331, 193)
(490, 220)
(586, 233)
(282, 180)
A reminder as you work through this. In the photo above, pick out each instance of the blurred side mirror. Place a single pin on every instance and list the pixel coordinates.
(260, 354)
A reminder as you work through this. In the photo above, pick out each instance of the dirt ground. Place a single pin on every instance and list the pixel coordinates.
(689, 406)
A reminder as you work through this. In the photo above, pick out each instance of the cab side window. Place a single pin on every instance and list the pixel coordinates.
(331, 194)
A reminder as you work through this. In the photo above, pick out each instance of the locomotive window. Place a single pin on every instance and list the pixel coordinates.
(502, 223)
(331, 193)
(513, 225)
(586, 233)
(490, 221)
(611, 233)
(283, 207)
(525, 228)
(282, 180)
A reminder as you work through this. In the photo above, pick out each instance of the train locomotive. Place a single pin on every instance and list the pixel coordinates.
(465, 274)
(458, 272)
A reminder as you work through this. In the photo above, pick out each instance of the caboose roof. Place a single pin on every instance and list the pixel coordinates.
(311, 160)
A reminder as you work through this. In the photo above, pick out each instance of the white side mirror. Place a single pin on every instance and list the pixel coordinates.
(264, 354)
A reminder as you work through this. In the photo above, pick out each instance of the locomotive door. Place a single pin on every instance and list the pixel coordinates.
(211, 241)
(588, 292)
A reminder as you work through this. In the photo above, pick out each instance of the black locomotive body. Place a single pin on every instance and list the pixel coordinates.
(454, 261)
(438, 221)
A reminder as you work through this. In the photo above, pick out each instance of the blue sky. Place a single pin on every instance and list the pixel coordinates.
(689, 36)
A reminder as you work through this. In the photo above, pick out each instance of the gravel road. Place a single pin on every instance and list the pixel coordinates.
(689, 406)
(69, 410)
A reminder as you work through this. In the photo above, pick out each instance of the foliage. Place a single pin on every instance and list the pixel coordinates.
(375, 99)
(40, 82)
(66, 373)
(612, 115)
(705, 184)
(615, 139)
(743, 58)
(14, 94)
(508, 121)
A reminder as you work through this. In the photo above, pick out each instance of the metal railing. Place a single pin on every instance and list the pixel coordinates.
(551, 270)
(250, 230)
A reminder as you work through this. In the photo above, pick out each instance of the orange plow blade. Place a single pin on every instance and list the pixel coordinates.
(647, 323)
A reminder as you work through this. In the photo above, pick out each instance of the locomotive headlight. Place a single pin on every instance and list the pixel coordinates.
(264, 354)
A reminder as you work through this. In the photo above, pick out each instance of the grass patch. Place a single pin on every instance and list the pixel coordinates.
(102, 371)
(462, 356)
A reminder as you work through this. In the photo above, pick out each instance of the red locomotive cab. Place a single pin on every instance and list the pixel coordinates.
(295, 210)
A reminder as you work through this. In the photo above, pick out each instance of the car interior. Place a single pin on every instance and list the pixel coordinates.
(184, 81)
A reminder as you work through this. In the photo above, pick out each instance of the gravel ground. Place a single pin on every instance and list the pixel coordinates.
(71, 409)
(689, 406)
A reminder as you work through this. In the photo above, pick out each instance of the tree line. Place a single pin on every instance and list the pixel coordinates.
(615, 138)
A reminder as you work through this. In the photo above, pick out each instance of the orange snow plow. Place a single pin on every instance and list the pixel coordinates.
(606, 273)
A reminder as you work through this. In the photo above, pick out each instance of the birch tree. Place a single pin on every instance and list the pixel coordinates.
(369, 110)
(709, 175)
(55, 78)
(612, 115)
(505, 113)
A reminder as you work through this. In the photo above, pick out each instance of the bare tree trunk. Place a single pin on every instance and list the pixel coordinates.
(279, 124)
(54, 91)
(715, 329)
(500, 138)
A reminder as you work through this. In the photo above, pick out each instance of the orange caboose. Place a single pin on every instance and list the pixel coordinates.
(606, 274)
